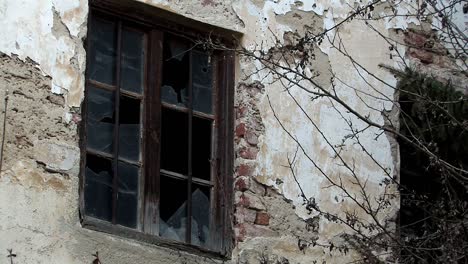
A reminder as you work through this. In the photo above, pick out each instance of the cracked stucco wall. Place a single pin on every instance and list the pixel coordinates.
(42, 66)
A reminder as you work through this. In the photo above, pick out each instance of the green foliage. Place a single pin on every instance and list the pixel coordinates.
(433, 207)
(436, 114)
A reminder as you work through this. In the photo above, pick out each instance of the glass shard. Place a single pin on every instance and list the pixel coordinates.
(202, 82)
(127, 198)
(98, 187)
(200, 215)
(100, 119)
(102, 52)
(129, 128)
(174, 141)
(201, 148)
(173, 211)
(176, 67)
(133, 54)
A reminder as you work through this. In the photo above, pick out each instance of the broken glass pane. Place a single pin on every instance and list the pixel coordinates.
(201, 147)
(174, 141)
(129, 128)
(202, 82)
(100, 119)
(127, 197)
(200, 215)
(102, 51)
(98, 187)
(173, 211)
(176, 59)
(133, 54)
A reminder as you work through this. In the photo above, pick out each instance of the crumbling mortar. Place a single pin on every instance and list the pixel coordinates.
(35, 113)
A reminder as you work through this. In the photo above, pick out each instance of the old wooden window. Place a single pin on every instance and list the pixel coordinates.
(157, 128)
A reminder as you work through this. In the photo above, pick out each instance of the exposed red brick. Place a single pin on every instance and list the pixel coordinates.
(248, 153)
(245, 170)
(423, 55)
(76, 118)
(242, 184)
(414, 39)
(240, 130)
(250, 230)
(251, 138)
(240, 232)
(262, 218)
(242, 200)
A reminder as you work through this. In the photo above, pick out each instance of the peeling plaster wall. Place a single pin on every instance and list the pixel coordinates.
(42, 72)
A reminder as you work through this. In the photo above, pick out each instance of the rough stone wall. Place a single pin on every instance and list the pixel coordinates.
(42, 72)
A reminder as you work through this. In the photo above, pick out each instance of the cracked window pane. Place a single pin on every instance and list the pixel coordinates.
(133, 54)
(173, 208)
(176, 59)
(129, 128)
(202, 82)
(200, 215)
(98, 187)
(127, 198)
(201, 148)
(100, 119)
(174, 141)
(102, 51)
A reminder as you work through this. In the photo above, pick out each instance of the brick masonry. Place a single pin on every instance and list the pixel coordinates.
(251, 215)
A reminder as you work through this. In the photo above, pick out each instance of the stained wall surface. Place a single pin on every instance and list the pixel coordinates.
(42, 65)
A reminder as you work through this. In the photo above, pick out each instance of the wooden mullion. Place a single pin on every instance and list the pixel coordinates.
(224, 181)
(131, 162)
(175, 107)
(153, 135)
(132, 94)
(100, 153)
(189, 178)
(218, 224)
(228, 157)
(101, 85)
(179, 176)
(202, 182)
(203, 115)
(111, 157)
(143, 114)
(213, 235)
(187, 110)
(115, 180)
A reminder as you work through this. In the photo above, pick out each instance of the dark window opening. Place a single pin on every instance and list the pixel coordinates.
(433, 197)
(176, 71)
(174, 141)
(156, 148)
(98, 187)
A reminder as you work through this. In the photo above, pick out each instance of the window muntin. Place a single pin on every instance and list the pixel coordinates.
(115, 183)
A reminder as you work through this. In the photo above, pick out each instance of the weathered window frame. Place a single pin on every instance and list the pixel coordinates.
(156, 22)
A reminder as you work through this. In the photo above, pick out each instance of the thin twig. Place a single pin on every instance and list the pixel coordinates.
(3, 131)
